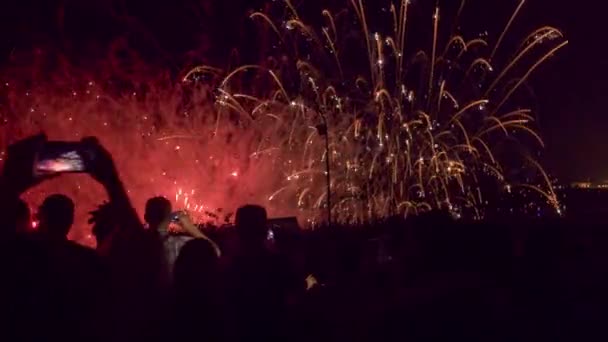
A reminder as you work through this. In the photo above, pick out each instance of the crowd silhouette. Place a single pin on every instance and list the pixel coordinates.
(427, 279)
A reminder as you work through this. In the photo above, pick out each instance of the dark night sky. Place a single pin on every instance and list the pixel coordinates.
(568, 87)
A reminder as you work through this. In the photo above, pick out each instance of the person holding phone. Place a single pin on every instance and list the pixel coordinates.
(47, 274)
(133, 306)
(162, 221)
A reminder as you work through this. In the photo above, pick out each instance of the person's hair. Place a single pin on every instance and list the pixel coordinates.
(250, 221)
(157, 209)
(56, 215)
(197, 280)
(104, 221)
(195, 256)
(18, 215)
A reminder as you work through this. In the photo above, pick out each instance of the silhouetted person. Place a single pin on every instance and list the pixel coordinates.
(22, 265)
(21, 218)
(157, 211)
(105, 225)
(159, 217)
(165, 245)
(72, 277)
(251, 227)
(56, 216)
(52, 288)
(198, 292)
(258, 280)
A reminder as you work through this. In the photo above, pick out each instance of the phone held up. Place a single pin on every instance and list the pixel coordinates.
(54, 157)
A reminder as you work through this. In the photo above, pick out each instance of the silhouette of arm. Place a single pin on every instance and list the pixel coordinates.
(186, 223)
(119, 197)
(103, 169)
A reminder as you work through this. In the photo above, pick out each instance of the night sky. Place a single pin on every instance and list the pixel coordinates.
(568, 88)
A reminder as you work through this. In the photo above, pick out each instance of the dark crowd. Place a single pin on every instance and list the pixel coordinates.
(426, 279)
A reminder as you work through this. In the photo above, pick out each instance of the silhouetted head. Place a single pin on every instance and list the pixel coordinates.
(157, 210)
(56, 215)
(22, 217)
(18, 218)
(197, 259)
(197, 282)
(104, 222)
(250, 222)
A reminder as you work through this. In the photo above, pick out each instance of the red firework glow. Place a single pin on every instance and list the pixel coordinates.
(163, 137)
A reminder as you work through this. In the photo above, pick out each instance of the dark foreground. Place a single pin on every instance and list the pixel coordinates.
(427, 279)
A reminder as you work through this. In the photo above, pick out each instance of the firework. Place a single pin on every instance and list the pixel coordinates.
(409, 130)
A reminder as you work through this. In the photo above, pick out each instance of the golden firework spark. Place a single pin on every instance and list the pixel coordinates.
(395, 146)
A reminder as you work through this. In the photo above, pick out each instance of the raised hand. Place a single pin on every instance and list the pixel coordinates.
(18, 172)
(100, 164)
(101, 167)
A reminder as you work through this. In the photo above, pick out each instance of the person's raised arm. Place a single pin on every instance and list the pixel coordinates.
(186, 223)
(102, 168)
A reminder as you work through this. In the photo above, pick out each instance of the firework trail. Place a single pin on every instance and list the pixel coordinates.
(414, 131)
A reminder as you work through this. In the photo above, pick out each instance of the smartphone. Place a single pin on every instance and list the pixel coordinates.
(270, 235)
(175, 216)
(61, 157)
